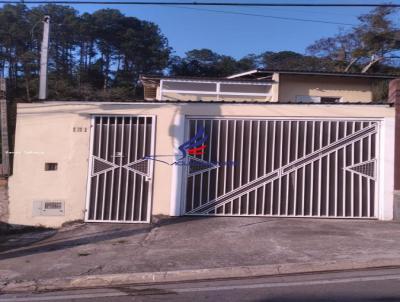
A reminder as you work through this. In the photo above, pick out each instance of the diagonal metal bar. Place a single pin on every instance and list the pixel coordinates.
(284, 170)
(329, 148)
(235, 193)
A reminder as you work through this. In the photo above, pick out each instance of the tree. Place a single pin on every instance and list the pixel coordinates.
(205, 62)
(375, 40)
(289, 60)
(104, 50)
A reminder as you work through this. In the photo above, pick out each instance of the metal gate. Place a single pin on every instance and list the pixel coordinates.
(119, 186)
(297, 167)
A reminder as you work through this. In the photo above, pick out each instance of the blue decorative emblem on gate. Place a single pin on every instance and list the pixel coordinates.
(188, 150)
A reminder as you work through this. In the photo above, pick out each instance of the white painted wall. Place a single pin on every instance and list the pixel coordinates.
(44, 133)
(386, 169)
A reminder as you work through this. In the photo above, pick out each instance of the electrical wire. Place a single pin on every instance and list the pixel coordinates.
(239, 4)
(263, 16)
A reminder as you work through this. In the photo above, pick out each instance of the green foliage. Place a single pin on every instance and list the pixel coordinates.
(91, 56)
(204, 62)
(371, 45)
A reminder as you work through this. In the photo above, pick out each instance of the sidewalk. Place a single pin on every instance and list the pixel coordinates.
(212, 247)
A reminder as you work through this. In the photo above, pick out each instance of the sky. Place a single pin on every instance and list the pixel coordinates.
(238, 35)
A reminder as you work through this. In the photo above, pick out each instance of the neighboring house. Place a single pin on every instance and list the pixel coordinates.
(259, 143)
(268, 86)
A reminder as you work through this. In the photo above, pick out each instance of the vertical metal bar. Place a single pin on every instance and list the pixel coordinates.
(248, 166)
(226, 153)
(142, 179)
(288, 160)
(233, 156)
(352, 174)
(336, 201)
(210, 159)
(280, 166)
(344, 172)
(105, 174)
(201, 174)
(321, 131)
(113, 171)
(328, 159)
(120, 165)
(127, 171)
(241, 166)
(303, 200)
(273, 166)
(135, 174)
(151, 169)
(256, 163)
(360, 207)
(99, 155)
(368, 181)
(296, 148)
(265, 164)
(194, 176)
(377, 151)
(233, 162)
(312, 170)
(218, 143)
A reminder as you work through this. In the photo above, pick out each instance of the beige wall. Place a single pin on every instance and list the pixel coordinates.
(351, 89)
(44, 133)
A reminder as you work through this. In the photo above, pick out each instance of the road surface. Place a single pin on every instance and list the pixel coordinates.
(382, 285)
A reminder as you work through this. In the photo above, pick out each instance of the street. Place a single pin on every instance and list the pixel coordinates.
(381, 285)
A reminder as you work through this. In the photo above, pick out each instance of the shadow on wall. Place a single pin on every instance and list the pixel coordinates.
(183, 111)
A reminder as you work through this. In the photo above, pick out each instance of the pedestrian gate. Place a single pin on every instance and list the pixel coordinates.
(279, 167)
(119, 188)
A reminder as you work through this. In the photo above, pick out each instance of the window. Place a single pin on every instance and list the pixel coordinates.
(188, 86)
(317, 99)
(244, 88)
(50, 166)
(176, 89)
(330, 100)
(307, 99)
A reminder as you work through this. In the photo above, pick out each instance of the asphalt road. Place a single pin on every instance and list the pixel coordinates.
(369, 285)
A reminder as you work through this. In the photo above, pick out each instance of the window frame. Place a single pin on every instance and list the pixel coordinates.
(217, 91)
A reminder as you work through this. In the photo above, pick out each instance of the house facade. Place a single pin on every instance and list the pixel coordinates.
(268, 86)
(208, 147)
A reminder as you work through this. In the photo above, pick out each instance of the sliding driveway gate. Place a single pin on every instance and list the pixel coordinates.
(119, 178)
(297, 167)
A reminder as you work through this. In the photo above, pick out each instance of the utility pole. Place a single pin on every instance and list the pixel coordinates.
(43, 59)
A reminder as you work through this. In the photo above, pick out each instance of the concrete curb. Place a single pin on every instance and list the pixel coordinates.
(81, 282)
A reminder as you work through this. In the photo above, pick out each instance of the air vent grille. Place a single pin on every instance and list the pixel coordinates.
(48, 208)
(52, 205)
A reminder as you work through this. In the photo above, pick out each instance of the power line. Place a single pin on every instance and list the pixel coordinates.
(263, 16)
(241, 4)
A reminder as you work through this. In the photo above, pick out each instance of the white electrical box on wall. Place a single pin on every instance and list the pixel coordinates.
(48, 208)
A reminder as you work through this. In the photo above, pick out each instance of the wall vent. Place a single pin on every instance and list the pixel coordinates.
(48, 208)
(50, 166)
